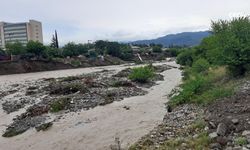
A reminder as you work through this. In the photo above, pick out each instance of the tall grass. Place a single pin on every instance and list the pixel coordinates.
(203, 88)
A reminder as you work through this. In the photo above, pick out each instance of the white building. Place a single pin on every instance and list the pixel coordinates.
(22, 32)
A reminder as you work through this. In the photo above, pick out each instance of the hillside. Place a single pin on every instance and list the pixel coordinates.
(180, 39)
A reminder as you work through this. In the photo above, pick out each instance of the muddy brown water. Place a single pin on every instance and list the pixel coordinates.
(96, 128)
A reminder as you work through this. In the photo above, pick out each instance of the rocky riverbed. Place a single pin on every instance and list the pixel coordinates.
(41, 103)
(225, 124)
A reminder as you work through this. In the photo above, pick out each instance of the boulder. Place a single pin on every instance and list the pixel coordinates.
(235, 121)
(213, 135)
(246, 133)
(221, 129)
(215, 146)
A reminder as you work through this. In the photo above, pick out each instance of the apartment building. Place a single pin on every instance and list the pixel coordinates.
(22, 32)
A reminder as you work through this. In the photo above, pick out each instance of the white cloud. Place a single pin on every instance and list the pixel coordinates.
(82, 20)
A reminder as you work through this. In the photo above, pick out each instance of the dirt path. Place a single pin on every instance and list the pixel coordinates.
(98, 127)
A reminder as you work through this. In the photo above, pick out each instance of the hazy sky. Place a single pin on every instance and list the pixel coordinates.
(122, 20)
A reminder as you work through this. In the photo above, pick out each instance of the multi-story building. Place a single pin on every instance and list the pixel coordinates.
(22, 32)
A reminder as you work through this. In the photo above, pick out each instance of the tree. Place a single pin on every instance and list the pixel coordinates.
(16, 48)
(51, 52)
(73, 49)
(234, 41)
(82, 48)
(113, 49)
(185, 57)
(100, 46)
(200, 65)
(127, 52)
(70, 49)
(54, 41)
(157, 49)
(35, 47)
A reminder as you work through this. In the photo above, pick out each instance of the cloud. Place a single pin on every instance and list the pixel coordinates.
(122, 20)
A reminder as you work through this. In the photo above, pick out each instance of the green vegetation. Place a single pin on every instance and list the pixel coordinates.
(203, 88)
(185, 57)
(210, 68)
(241, 141)
(197, 143)
(199, 124)
(59, 104)
(75, 63)
(200, 65)
(157, 49)
(142, 74)
(71, 49)
(35, 48)
(16, 48)
(2, 52)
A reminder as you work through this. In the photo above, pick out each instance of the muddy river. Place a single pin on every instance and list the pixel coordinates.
(97, 128)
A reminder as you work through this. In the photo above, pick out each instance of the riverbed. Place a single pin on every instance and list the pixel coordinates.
(96, 128)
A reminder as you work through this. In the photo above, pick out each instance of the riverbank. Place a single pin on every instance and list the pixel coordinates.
(28, 66)
(127, 120)
(223, 124)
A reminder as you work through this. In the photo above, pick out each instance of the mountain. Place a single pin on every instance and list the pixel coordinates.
(180, 39)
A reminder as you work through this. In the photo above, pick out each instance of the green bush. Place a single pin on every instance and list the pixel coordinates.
(75, 63)
(212, 94)
(234, 38)
(35, 47)
(200, 65)
(157, 49)
(241, 141)
(185, 58)
(190, 89)
(59, 104)
(174, 51)
(16, 48)
(92, 54)
(142, 74)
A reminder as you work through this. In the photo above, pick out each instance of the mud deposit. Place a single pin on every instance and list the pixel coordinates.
(52, 112)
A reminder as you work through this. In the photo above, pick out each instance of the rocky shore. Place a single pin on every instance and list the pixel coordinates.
(224, 124)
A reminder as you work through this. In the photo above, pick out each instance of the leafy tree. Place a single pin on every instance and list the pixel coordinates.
(82, 48)
(100, 46)
(185, 57)
(210, 50)
(173, 51)
(127, 52)
(52, 52)
(92, 54)
(157, 49)
(234, 41)
(70, 49)
(200, 65)
(35, 47)
(16, 48)
(114, 49)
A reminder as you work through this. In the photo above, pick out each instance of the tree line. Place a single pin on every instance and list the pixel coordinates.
(229, 45)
